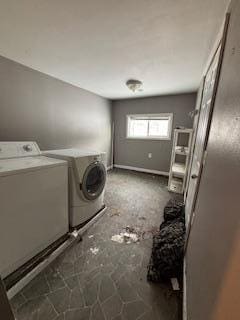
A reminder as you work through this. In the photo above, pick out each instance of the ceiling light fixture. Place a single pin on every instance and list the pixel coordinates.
(134, 85)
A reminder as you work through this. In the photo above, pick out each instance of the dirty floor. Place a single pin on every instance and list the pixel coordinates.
(99, 279)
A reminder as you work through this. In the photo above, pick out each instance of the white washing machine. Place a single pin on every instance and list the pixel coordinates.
(87, 178)
(33, 203)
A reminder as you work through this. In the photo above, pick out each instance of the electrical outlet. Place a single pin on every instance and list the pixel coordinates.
(150, 155)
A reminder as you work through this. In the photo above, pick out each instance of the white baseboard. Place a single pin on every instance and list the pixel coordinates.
(109, 167)
(160, 173)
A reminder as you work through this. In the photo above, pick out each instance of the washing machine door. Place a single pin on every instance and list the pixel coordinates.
(94, 180)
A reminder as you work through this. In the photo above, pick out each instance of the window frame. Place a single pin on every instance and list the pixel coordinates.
(149, 116)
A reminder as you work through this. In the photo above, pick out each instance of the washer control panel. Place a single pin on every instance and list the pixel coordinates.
(17, 149)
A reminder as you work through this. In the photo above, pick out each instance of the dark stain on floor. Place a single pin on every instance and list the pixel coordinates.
(98, 279)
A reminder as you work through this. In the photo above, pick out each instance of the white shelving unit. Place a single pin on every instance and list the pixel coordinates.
(180, 160)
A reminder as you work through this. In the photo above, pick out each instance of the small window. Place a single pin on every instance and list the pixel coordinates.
(149, 126)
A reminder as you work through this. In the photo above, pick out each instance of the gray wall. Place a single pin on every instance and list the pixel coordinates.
(34, 106)
(213, 252)
(134, 153)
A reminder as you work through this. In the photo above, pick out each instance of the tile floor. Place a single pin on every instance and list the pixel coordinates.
(109, 284)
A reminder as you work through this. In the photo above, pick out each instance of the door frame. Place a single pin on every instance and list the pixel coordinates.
(221, 43)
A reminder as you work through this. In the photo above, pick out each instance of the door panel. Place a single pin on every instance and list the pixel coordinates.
(201, 135)
(195, 126)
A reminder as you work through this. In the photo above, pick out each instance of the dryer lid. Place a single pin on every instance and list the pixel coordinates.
(71, 153)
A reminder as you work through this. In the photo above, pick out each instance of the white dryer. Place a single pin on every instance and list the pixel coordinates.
(33, 203)
(87, 178)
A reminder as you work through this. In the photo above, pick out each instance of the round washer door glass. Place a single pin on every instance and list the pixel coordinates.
(94, 180)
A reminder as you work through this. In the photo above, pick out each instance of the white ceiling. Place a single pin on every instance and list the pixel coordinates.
(99, 44)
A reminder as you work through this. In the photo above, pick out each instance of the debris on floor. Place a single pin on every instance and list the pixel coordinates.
(166, 261)
(175, 284)
(118, 238)
(75, 234)
(142, 218)
(134, 234)
(130, 229)
(125, 237)
(91, 236)
(94, 250)
(114, 212)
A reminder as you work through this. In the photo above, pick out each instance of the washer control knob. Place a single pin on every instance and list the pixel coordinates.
(27, 147)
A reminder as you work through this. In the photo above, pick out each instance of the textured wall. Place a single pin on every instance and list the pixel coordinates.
(134, 153)
(213, 253)
(34, 106)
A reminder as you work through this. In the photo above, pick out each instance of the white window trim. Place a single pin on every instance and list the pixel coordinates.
(146, 116)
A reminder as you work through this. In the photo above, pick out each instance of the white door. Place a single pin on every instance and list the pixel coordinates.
(201, 135)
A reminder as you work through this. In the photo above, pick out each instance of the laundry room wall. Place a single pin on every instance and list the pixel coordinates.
(35, 106)
(134, 153)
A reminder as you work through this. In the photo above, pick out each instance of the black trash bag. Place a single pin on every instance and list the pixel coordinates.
(173, 209)
(180, 220)
(172, 234)
(167, 253)
(168, 246)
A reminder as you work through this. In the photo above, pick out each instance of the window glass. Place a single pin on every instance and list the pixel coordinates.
(138, 128)
(157, 126)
